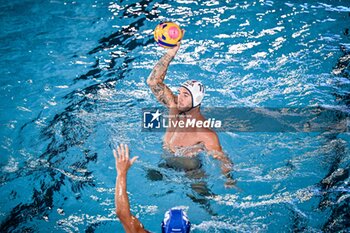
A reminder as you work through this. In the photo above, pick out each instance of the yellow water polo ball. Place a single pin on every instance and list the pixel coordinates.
(167, 34)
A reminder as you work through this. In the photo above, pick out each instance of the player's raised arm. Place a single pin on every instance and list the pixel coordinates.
(122, 162)
(156, 82)
(156, 79)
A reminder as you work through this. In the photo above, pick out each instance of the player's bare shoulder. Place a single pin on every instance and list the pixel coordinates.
(209, 138)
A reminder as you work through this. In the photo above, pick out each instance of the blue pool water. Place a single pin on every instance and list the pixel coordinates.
(73, 85)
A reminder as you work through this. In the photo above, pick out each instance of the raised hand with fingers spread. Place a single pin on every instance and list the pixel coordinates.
(122, 161)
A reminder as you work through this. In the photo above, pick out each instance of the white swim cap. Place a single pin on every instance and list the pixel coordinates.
(196, 89)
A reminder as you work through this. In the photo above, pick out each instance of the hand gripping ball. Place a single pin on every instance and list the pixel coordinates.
(167, 34)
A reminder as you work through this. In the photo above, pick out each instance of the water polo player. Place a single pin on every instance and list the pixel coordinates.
(186, 106)
(175, 220)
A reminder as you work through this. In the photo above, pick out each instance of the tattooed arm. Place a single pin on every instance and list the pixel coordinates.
(156, 82)
(156, 79)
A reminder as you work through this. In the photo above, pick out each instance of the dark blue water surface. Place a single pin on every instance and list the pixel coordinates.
(73, 85)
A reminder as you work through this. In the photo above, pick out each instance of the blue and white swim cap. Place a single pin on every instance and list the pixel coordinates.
(196, 89)
(176, 221)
